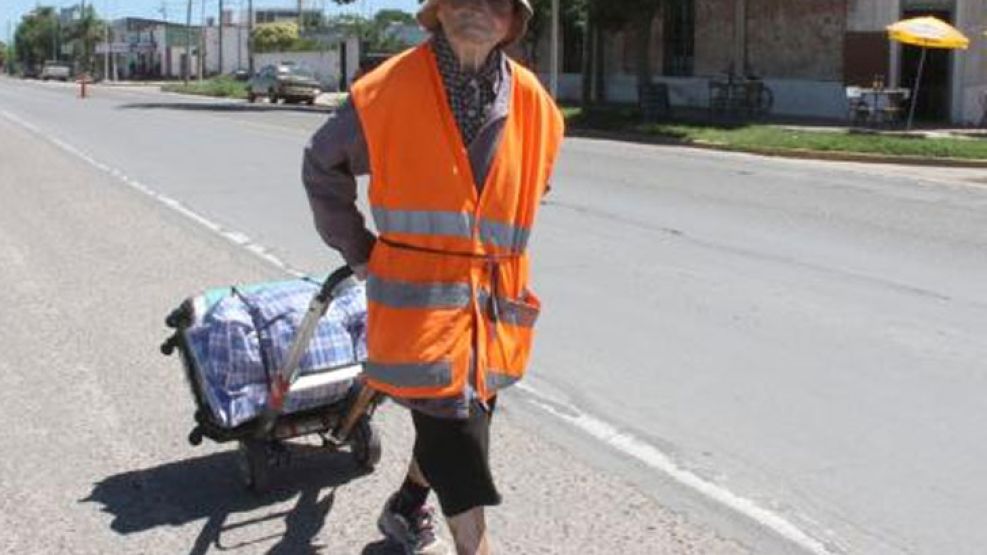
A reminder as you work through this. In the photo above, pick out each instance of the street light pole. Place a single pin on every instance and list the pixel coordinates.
(554, 75)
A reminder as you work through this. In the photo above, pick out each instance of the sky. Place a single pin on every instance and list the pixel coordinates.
(12, 10)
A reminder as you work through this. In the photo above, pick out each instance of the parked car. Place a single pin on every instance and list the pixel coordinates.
(284, 81)
(56, 70)
(240, 74)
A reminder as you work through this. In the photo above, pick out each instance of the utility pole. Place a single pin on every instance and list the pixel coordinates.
(250, 37)
(187, 66)
(301, 20)
(106, 53)
(221, 37)
(202, 39)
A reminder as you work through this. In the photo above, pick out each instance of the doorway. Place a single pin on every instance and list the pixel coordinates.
(934, 97)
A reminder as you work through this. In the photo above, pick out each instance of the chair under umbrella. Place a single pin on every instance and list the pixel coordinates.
(926, 32)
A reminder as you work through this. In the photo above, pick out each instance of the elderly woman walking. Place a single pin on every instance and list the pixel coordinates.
(459, 141)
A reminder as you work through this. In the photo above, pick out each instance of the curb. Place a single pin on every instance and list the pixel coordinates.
(124, 84)
(797, 154)
(313, 108)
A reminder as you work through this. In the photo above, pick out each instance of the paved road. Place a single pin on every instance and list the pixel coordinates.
(95, 419)
(775, 348)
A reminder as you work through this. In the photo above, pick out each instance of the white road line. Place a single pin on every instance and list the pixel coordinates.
(596, 428)
(654, 458)
(233, 236)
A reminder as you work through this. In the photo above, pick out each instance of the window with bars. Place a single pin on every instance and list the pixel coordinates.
(679, 17)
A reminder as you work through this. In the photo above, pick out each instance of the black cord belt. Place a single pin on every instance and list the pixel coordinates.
(493, 262)
(471, 255)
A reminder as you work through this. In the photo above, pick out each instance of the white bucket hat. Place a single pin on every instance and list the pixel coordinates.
(428, 18)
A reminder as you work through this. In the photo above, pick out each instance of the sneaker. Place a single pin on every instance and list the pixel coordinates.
(416, 535)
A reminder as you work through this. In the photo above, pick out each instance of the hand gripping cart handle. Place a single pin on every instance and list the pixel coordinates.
(285, 376)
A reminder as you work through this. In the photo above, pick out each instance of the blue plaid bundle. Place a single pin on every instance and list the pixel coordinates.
(242, 337)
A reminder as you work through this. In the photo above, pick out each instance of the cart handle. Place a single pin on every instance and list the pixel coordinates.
(284, 377)
(333, 281)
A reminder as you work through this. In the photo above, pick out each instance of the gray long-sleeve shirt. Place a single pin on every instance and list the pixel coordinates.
(337, 153)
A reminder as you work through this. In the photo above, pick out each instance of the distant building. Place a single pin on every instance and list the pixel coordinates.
(274, 15)
(807, 51)
(234, 44)
(153, 49)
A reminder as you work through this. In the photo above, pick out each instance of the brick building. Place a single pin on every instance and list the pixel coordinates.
(807, 51)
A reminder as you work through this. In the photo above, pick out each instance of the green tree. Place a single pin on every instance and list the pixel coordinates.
(275, 37)
(36, 37)
(373, 33)
(84, 34)
(3, 54)
(383, 18)
(572, 15)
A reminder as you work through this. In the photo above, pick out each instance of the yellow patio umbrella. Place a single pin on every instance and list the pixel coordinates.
(926, 32)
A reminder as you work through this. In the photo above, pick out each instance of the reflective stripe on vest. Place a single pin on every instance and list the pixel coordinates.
(422, 222)
(435, 374)
(402, 294)
(450, 224)
(504, 236)
(509, 311)
(498, 380)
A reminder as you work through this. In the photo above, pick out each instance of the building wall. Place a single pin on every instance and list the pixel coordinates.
(326, 65)
(796, 40)
(234, 49)
(173, 65)
(865, 16)
(716, 50)
(798, 47)
(970, 66)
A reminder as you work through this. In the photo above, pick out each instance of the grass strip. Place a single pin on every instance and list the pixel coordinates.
(222, 87)
(771, 138)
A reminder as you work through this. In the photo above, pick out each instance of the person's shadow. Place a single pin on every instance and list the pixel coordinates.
(209, 488)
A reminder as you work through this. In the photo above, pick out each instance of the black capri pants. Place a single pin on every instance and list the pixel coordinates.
(454, 456)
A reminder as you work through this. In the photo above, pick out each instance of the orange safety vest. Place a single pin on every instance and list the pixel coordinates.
(447, 286)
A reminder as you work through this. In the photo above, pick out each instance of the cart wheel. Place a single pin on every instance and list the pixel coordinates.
(174, 318)
(255, 467)
(168, 347)
(366, 443)
(195, 436)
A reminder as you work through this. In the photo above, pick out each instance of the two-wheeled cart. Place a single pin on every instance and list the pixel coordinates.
(342, 422)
